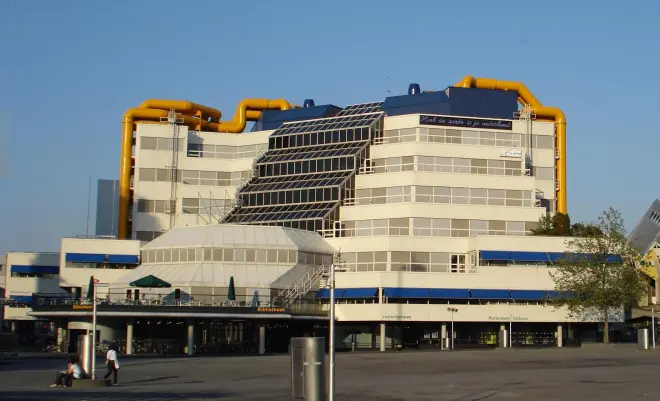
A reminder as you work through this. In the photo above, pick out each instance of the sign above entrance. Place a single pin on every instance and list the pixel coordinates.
(480, 123)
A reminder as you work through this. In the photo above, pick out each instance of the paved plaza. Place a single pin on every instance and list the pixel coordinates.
(559, 374)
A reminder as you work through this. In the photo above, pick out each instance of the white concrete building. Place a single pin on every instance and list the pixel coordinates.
(105, 259)
(426, 200)
(27, 273)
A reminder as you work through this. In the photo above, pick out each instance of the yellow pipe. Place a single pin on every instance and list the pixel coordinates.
(153, 110)
(237, 124)
(184, 107)
(525, 97)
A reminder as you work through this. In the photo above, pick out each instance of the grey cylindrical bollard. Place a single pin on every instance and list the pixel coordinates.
(308, 368)
(643, 338)
(86, 353)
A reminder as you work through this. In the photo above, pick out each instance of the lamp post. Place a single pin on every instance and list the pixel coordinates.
(653, 325)
(452, 310)
(331, 372)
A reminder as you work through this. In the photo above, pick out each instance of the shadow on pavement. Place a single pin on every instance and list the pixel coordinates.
(67, 394)
(151, 379)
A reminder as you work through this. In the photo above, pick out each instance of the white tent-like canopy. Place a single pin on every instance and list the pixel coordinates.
(217, 274)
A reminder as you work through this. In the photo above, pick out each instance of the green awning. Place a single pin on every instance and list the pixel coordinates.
(150, 281)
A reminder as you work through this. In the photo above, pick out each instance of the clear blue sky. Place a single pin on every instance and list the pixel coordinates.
(70, 69)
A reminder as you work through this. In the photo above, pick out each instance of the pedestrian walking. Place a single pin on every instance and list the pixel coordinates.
(112, 363)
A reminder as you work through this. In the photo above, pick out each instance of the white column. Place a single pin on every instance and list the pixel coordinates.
(443, 335)
(191, 336)
(262, 339)
(129, 337)
(382, 337)
(60, 338)
(560, 335)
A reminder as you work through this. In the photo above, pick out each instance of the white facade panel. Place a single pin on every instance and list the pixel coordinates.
(79, 276)
(26, 286)
(444, 179)
(530, 214)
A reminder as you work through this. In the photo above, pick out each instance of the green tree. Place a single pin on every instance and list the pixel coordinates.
(585, 230)
(556, 224)
(593, 279)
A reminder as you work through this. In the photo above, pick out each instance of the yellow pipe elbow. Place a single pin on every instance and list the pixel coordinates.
(192, 115)
(526, 97)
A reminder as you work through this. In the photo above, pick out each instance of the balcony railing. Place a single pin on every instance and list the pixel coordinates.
(146, 301)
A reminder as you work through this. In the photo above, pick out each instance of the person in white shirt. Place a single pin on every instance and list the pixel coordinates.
(64, 378)
(112, 363)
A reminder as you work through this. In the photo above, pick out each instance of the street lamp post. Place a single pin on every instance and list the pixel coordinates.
(653, 325)
(331, 372)
(452, 310)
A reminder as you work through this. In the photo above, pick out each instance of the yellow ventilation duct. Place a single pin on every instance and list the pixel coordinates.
(196, 117)
(525, 97)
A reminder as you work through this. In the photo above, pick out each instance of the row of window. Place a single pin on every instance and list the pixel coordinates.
(188, 205)
(428, 227)
(423, 262)
(318, 138)
(33, 275)
(202, 150)
(307, 166)
(293, 196)
(446, 165)
(234, 255)
(70, 265)
(454, 136)
(147, 235)
(224, 151)
(455, 195)
(194, 177)
(655, 217)
(157, 143)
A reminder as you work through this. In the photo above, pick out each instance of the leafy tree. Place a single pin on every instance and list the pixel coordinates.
(557, 224)
(585, 230)
(593, 278)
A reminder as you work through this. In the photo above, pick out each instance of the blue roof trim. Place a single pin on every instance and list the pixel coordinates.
(549, 257)
(528, 295)
(358, 293)
(325, 293)
(123, 259)
(22, 299)
(490, 294)
(35, 269)
(406, 292)
(450, 293)
(101, 258)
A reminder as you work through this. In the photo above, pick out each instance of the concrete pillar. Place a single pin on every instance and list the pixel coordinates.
(129, 337)
(262, 339)
(560, 335)
(502, 326)
(443, 335)
(382, 337)
(12, 326)
(191, 336)
(570, 333)
(61, 340)
(373, 337)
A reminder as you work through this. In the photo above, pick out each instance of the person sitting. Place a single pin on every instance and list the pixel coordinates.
(65, 377)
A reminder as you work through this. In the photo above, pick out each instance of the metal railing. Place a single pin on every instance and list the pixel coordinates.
(303, 286)
(51, 301)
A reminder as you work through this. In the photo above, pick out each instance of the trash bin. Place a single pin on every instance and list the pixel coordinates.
(308, 368)
(643, 338)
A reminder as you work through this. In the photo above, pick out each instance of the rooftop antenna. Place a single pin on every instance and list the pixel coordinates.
(388, 84)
